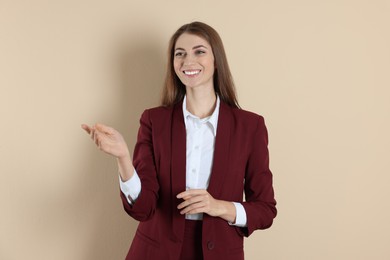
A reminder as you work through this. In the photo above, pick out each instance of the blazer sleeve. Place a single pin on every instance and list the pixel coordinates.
(144, 163)
(260, 204)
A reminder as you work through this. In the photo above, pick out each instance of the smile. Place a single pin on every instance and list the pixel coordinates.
(191, 72)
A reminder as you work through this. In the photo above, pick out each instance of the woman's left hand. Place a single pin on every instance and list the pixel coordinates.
(200, 201)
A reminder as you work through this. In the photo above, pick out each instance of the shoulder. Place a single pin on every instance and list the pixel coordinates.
(246, 114)
(248, 125)
(157, 115)
(159, 111)
(245, 117)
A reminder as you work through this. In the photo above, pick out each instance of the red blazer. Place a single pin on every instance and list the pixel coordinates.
(240, 166)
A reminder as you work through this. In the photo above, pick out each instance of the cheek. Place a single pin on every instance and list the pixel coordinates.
(176, 67)
(211, 67)
(210, 63)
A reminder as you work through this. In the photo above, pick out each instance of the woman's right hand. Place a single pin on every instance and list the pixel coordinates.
(108, 140)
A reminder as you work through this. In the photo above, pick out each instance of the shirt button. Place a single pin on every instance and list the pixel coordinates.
(197, 147)
(210, 245)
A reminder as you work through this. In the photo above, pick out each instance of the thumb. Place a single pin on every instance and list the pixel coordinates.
(86, 128)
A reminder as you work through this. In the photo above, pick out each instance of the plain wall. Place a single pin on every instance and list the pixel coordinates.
(318, 71)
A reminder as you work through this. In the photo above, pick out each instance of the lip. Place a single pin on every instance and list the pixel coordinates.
(192, 72)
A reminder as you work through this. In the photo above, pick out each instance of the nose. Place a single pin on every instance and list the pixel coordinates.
(189, 59)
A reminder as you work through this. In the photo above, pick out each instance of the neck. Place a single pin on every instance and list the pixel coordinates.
(201, 103)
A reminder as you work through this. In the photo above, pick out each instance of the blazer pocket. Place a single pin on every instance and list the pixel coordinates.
(147, 239)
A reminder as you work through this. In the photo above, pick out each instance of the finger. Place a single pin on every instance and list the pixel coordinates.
(190, 193)
(96, 139)
(191, 200)
(86, 128)
(185, 196)
(183, 204)
(199, 207)
(92, 133)
(104, 129)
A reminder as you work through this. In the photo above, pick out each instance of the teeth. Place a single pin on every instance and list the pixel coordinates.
(191, 72)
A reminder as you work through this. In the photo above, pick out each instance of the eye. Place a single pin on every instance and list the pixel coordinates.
(200, 52)
(179, 54)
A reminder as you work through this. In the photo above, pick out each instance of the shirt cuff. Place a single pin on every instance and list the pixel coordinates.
(131, 188)
(240, 215)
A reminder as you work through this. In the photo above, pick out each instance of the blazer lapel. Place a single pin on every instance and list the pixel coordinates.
(221, 151)
(178, 158)
(178, 168)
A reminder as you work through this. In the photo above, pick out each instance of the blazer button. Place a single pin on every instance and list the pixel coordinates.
(210, 245)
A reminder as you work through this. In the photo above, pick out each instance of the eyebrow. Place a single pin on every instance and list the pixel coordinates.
(199, 46)
(195, 47)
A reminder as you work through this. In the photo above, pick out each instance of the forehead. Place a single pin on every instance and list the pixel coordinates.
(187, 41)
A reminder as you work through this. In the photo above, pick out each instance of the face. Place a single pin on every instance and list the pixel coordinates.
(194, 61)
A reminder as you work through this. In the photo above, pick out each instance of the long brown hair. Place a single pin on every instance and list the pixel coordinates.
(174, 90)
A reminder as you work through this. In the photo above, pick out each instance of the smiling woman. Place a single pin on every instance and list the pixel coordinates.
(194, 62)
(174, 89)
(195, 156)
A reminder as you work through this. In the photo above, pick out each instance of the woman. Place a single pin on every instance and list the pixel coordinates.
(194, 158)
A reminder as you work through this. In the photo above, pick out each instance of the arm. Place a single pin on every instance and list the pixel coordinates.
(143, 161)
(111, 142)
(260, 204)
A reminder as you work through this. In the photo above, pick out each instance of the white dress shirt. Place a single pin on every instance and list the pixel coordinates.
(200, 145)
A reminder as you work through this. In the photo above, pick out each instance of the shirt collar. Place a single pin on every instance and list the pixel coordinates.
(212, 120)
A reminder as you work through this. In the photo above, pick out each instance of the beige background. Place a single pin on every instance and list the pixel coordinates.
(318, 71)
